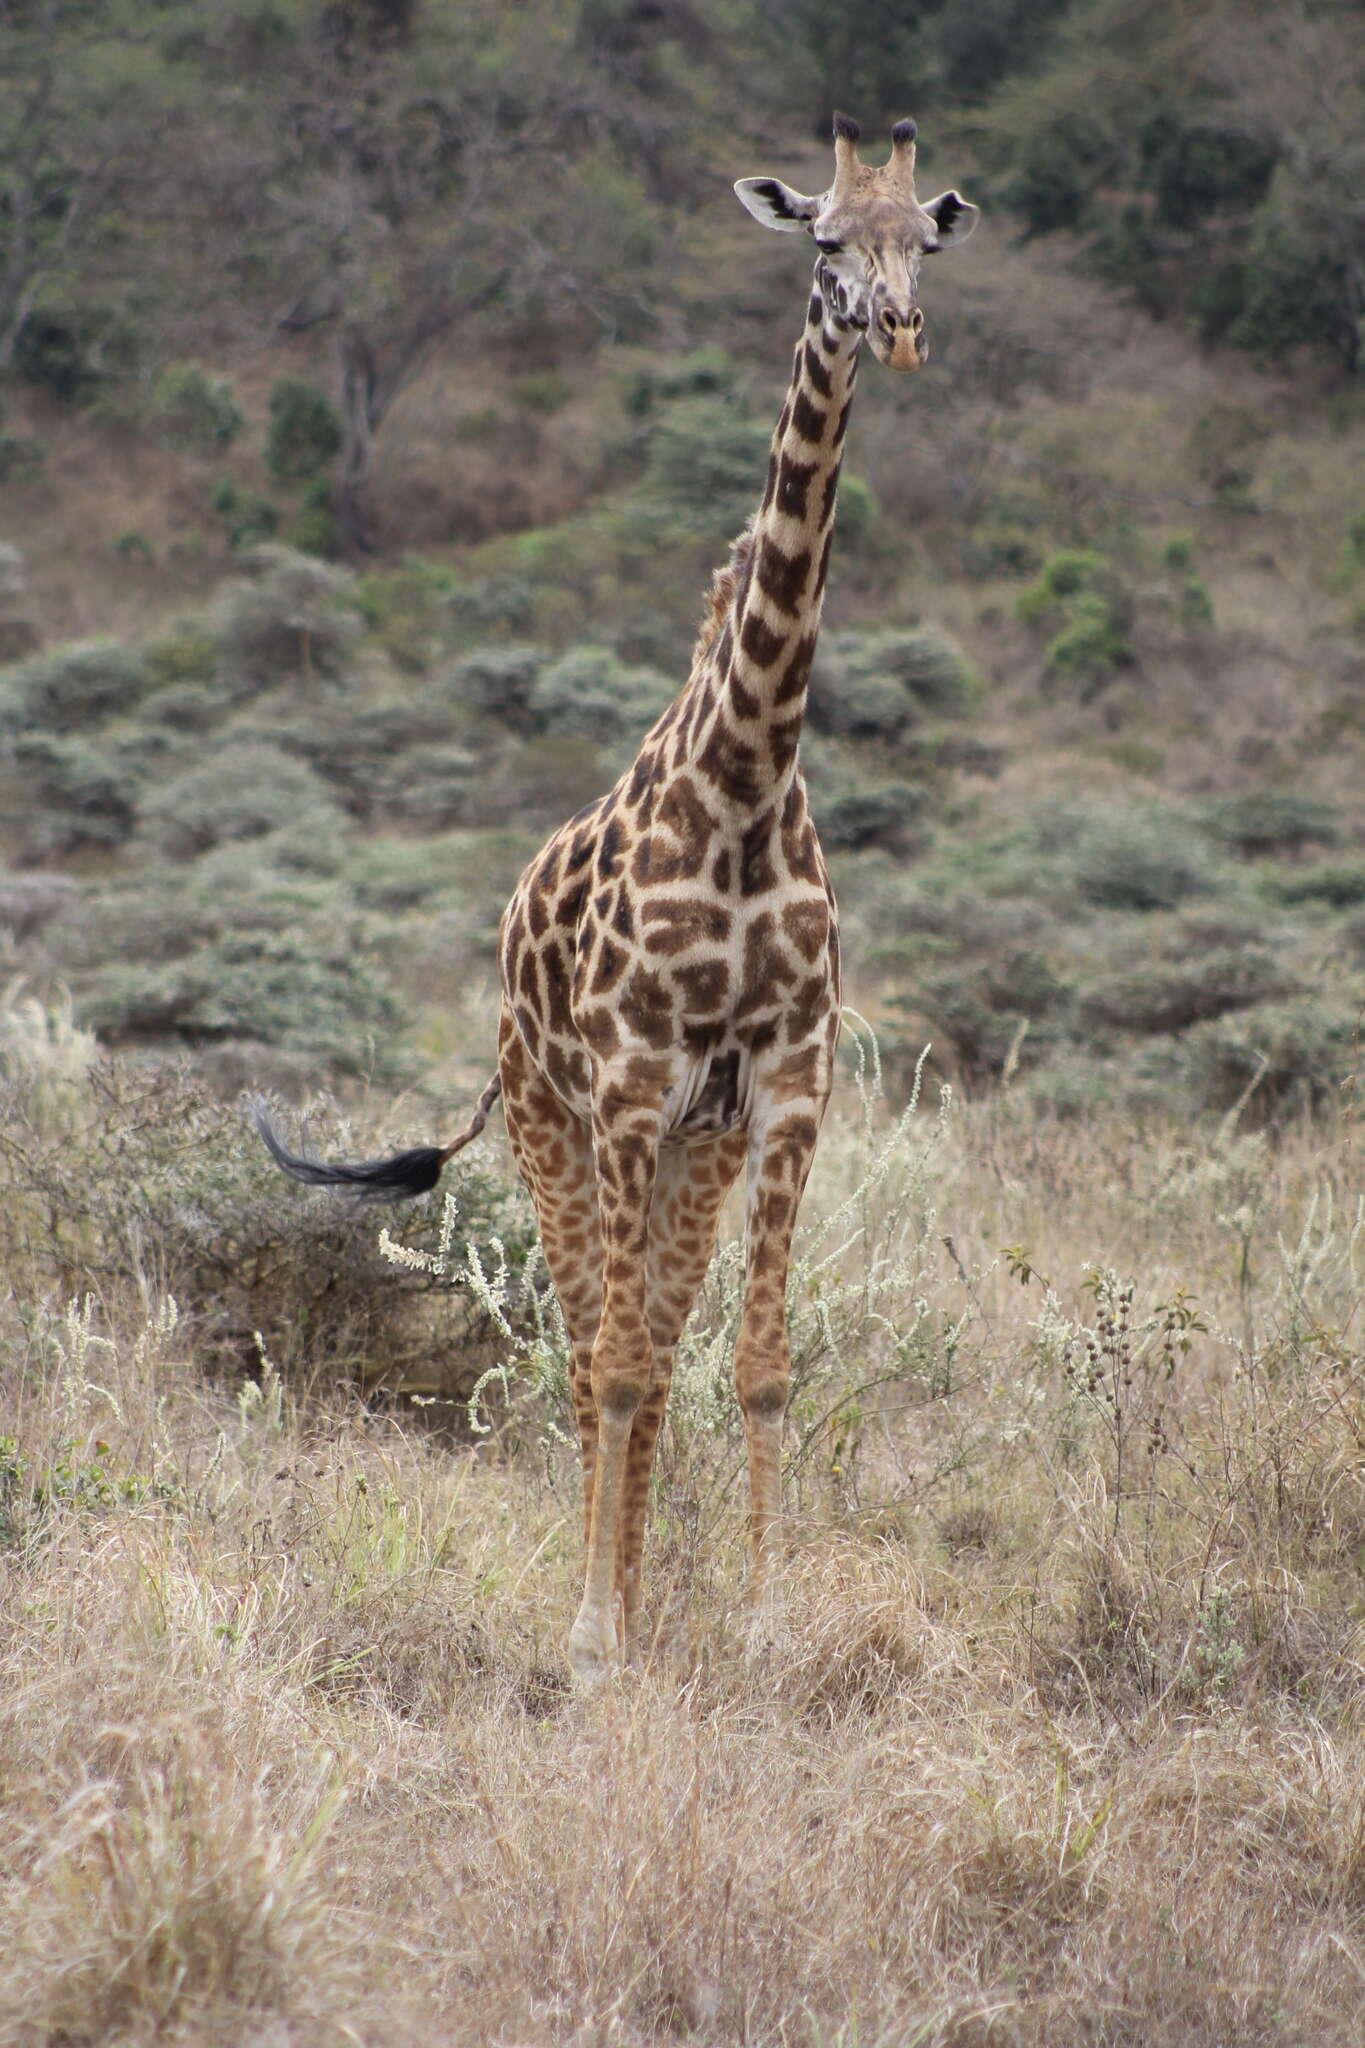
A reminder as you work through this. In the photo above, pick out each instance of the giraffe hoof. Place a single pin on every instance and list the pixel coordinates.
(593, 1651)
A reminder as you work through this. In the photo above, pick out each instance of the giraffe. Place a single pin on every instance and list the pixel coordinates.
(669, 962)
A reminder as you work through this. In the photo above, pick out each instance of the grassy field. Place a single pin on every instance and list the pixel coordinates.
(1063, 1743)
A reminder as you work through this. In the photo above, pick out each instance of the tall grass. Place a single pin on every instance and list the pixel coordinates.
(1063, 1743)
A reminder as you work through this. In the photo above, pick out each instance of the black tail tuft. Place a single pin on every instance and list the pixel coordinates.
(370, 1180)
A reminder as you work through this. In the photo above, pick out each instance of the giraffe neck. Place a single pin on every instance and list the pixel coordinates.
(747, 738)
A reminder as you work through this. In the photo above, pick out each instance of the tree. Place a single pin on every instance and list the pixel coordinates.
(66, 154)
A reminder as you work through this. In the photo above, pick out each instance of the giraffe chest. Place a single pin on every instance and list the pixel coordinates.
(699, 979)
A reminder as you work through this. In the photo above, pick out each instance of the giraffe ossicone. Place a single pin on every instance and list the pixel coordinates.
(670, 960)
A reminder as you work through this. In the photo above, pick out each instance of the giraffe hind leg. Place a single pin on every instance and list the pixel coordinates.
(689, 1191)
(553, 1151)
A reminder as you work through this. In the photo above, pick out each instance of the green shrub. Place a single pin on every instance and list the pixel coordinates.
(1337, 883)
(1221, 447)
(1195, 604)
(1271, 821)
(395, 875)
(186, 652)
(313, 529)
(432, 786)
(1056, 169)
(874, 686)
(1090, 646)
(1298, 284)
(886, 814)
(74, 796)
(706, 373)
(502, 603)
(1171, 995)
(244, 791)
(153, 1160)
(543, 391)
(495, 680)
(590, 693)
(190, 408)
(1355, 540)
(1140, 862)
(67, 353)
(1064, 574)
(22, 457)
(191, 708)
(290, 617)
(236, 950)
(1017, 1005)
(248, 518)
(704, 465)
(76, 686)
(1084, 592)
(1293, 1056)
(304, 432)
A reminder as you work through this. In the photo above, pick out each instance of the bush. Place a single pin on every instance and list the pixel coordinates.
(75, 686)
(707, 373)
(984, 1010)
(247, 789)
(1171, 995)
(590, 693)
(306, 994)
(290, 617)
(432, 786)
(1298, 285)
(191, 708)
(1294, 1056)
(357, 755)
(22, 457)
(187, 652)
(1338, 883)
(304, 433)
(1082, 591)
(248, 518)
(495, 680)
(74, 796)
(1271, 821)
(874, 686)
(148, 1161)
(705, 465)
(1140, 863)
(1221, 446)
(239, 949)
(888, 814)
(1057, 168)
(192, 409)
(313, 530)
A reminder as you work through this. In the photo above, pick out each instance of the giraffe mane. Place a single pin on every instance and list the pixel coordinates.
(725, 583)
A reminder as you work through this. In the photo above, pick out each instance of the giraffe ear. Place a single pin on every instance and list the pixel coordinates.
(954, 218)
(776, 205)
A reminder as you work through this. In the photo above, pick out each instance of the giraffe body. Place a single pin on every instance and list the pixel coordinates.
(670, 960)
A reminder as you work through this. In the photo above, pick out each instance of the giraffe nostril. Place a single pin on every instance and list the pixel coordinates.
(888, 323)
(916, 321)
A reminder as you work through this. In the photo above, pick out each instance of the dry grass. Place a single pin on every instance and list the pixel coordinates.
(1063, 1743)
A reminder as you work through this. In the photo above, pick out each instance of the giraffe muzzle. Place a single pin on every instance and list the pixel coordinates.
(900, 343)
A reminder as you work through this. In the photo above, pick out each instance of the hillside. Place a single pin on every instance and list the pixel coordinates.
(380, 384)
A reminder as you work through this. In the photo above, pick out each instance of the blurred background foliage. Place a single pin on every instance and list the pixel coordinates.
(381, 380)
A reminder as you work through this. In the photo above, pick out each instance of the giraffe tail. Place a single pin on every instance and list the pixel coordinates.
(373, 1180)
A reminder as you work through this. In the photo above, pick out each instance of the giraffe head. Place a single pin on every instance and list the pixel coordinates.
(872, 232)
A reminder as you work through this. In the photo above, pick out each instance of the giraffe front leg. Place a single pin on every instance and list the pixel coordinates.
(782, 1146)
(626, 1145)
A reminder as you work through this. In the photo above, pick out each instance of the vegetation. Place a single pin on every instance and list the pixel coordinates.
(380, 385)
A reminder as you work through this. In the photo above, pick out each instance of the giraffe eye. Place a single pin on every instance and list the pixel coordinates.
(830, 248)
